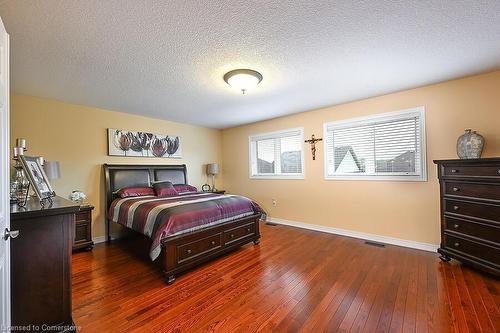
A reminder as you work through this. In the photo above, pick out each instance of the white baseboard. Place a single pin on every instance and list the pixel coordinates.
(99, 239)
(357, 234)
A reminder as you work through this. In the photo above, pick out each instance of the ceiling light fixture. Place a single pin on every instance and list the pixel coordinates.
(243, 79)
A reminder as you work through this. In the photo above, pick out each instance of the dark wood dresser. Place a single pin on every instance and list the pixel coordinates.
(41, 265)
(470, 212)
(83, 229)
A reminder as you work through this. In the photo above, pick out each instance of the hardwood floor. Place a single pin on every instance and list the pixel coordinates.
(305, 281)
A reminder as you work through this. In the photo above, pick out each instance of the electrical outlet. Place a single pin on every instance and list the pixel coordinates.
(275, 203)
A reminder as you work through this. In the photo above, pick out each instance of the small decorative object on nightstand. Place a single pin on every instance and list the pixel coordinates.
(83, 228)
(219, 191)
(78, 196)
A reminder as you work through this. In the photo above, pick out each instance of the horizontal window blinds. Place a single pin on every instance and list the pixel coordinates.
(278, 153)
(383, 145)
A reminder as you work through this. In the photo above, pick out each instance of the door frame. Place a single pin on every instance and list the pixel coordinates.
(5, 296)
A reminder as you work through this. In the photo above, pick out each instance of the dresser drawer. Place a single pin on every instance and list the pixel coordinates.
(238, 233)
(480, 230)
(475, 249)
(466, 208)
(473, 190)
(83, 216)
(486, 171)
(197, 248)
(82, 232)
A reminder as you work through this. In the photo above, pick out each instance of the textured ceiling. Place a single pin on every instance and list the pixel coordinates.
(166, 59)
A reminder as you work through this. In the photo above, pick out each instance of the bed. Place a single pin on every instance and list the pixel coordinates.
(197, 240)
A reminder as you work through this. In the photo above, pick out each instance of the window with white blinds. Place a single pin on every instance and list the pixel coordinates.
(388, 146)
(277, 154)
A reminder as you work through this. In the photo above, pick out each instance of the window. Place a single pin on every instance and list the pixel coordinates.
(388, 146)
(278, 154)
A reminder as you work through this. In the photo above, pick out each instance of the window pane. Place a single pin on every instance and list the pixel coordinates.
(291, 154)
(265, 156)
(383, 145)
(395, 146)
(277, 154)
(353, 150)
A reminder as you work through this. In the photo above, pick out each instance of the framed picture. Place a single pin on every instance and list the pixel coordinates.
(37, 177)
(143, 144)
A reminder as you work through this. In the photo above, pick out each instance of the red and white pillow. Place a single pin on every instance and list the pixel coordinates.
(135, 192)
(165, 189)
(184, 188)
(160, 189)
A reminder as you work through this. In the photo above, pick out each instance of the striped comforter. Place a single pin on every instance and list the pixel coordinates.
(159, 218)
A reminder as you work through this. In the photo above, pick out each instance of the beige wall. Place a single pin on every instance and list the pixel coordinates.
(406, 210)
(76, 136)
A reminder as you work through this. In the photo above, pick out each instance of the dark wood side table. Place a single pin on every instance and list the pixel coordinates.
(41, 265)
(83, 229)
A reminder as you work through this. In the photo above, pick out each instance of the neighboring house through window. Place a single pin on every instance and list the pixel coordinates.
(389, 146)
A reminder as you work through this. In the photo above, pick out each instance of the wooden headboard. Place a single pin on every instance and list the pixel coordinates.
(117, 176)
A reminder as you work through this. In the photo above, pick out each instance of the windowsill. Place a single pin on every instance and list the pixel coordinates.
(278, 177)
(379, 178)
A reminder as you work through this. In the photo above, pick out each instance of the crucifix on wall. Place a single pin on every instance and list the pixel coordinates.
(312, 141)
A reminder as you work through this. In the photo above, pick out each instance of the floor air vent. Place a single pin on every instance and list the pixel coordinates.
(374, 244)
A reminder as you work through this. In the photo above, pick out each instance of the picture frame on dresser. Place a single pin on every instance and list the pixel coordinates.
(470, 212)
(37, 177)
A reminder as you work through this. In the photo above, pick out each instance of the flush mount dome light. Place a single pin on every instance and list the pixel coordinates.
(243, 79)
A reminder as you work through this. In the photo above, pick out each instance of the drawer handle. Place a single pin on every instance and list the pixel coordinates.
(457, 244)
(456, 189)
(454, 171)
(498, 171)
(212, 242)
(248, 229)
(456, 226)
(232, 235)
(188, 251)
(456, 208)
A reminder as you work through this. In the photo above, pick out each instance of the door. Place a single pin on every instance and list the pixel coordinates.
(4, 180)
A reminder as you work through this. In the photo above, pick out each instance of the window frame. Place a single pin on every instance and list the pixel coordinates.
(272, 135)
(366, 120)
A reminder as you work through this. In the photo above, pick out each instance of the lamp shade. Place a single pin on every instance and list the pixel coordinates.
(212, 169)
(52, 170)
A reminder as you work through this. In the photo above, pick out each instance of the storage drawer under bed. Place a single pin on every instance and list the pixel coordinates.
(238, 233)
(199, 247)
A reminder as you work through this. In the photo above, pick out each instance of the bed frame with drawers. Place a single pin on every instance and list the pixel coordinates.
(185, 251)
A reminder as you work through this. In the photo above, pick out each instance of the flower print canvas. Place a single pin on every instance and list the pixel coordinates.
(143, 144)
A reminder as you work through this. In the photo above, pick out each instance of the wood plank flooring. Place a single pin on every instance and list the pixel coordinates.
(294, 281)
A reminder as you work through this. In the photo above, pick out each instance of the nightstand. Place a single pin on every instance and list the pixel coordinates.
(83, 229)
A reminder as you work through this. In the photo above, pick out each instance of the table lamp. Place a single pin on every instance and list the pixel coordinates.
(52, 170)
(212, 170)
